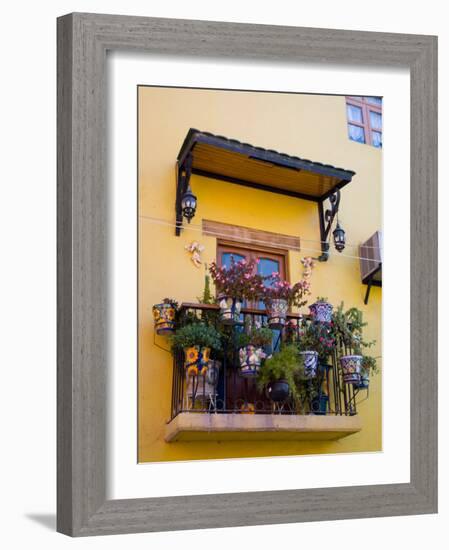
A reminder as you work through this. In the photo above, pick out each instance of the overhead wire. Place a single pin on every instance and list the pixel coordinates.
(198, 228)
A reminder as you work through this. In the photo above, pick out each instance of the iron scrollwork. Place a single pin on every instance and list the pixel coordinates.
(326, 220)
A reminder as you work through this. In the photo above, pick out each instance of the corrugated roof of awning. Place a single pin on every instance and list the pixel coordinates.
(231, 160)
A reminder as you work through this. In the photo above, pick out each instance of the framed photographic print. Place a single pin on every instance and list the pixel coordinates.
(246, 274)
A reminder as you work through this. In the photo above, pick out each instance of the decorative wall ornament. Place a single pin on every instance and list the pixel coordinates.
(195, 249)
(308, 264)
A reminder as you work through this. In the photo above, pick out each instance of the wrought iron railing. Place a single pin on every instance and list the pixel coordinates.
(223, 390)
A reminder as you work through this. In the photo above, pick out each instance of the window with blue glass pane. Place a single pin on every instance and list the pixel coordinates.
(375, 120)
(355, 114)
(356, 133)
(374, 100)
(364, 117)
(226, 258)
(376, 138)
(266, 267)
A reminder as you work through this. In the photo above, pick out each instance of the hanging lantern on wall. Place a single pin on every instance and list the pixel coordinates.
(188, 204)
(339, 238)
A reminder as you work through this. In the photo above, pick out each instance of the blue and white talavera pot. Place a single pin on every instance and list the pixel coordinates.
(229, 310)
(321, 312)
(351, 366)
(310, 361)
(364, 380)
(277, 311)
(250, 360)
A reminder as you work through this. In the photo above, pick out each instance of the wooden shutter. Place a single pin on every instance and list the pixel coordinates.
(370, 253)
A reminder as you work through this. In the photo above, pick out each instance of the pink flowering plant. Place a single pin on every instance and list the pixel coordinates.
(239, 281)
(317, 337)
(278, 289)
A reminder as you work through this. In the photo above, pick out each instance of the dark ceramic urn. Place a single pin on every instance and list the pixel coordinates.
(278, 391)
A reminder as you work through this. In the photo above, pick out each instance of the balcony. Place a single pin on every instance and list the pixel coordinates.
(227, 406)
(257, 427)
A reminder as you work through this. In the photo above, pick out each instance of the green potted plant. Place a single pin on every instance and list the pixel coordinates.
(251, 350)
(196, 340)
(164, 315)
(279, 296)
(348, 330)
(279, 374)
(208, 316)
(316, 343)
(321, 310)
(234, 284)
(369, 367)
(206, 297)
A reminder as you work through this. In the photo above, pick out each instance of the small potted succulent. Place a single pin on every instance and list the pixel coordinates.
(164, 315)
(234, 284)
(252, 352)
(279, 374)
(279, 296)
(196, 340)
(321, 310)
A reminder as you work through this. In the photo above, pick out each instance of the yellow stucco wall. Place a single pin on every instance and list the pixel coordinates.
(308, 126)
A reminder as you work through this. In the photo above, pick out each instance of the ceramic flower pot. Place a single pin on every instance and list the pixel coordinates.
(351, 366)
(196, 360)
(204, 386)
(229, 310)
(277, 313)
(164, 318)
(321, 312)
(247, 408)
(364, 380)
(278, 391)
(310, 359)
(250, 358)
(320, 404)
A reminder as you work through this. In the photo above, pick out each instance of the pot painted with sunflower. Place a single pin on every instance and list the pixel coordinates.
(164, 318)
(351, 366)
(277, 310)
(250, 360)
(196, 360)
(321, 311)
(310, 362)
(247, 408)
(204, 387)
(229, 310)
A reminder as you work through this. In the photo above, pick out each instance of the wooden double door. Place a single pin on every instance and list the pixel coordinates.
(269, 260)
(241, 392)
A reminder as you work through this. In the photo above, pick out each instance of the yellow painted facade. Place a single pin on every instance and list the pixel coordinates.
(308, 126)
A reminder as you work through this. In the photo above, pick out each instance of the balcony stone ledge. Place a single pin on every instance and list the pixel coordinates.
(192, 426)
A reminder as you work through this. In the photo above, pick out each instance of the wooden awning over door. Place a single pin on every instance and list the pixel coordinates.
(244, 164)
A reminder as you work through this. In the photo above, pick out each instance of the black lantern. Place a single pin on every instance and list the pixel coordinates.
(188, 204)
(339, 238)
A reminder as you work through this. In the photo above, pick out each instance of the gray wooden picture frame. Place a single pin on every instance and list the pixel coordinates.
(83, 40)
